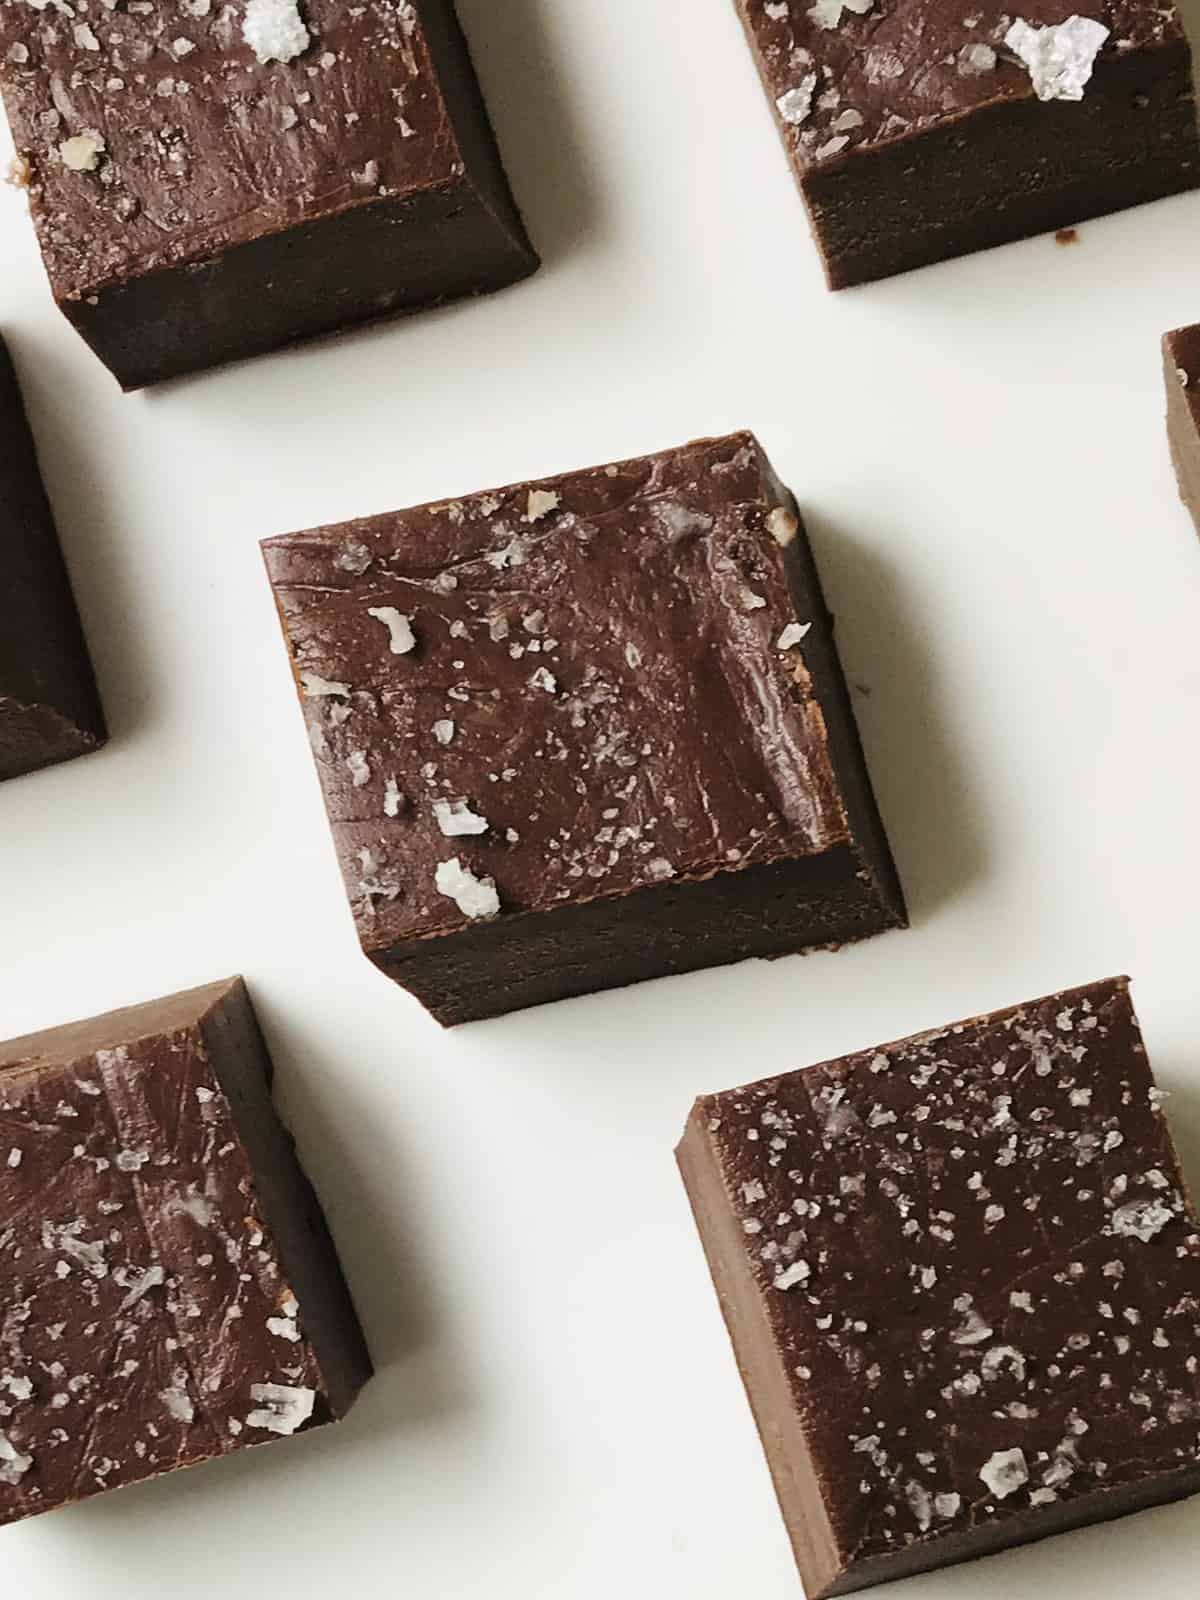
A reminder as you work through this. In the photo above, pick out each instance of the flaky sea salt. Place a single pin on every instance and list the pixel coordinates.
(828, 13)
(474, 897)
(82, 153)
(315, 687)
(1060, 58)
(456, 819)
(796, 105)
(281, 1408)
(792, 635)
(402, 638)
(1141, 1219)
(274, 30)
(13, 1464)
(1005, 1472)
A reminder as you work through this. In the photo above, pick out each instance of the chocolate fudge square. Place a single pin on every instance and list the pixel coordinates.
(212, 180)
(584, 731)
(49, 708)
(921, 130)
(168, 1287)
(1181, 362)
(961, 1274)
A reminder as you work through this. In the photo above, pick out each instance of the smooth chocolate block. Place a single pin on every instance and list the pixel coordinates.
(49, 708)
(196, 203)
(169, 1287)
(584, 731)
(961, 1274)
(1181, 363)
(918, 131)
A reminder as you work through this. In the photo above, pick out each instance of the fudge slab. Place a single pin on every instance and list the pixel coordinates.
(49, 708)
(196, 203)
(584, 731)
(961, 1274)
(1181, 364)
(168, 1287)
(918, 130)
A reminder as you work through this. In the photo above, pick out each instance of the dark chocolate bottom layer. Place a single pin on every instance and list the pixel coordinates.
(33, 737)
(1009, 172)
(530, 960)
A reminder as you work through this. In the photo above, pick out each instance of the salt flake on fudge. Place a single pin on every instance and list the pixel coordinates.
(275, 31)
(1061, 58)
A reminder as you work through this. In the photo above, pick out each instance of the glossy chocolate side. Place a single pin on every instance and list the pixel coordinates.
(49, 708)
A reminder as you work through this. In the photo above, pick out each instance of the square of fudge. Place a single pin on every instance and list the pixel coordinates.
(1181, 364)
(584, 731)
(49, 708)
(222, 179)
(921, 132)
(170, 1292)
(961, 1274)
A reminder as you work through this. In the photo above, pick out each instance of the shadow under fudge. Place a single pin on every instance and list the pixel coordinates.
(695, 680)
(926, 792)
(995, 1210)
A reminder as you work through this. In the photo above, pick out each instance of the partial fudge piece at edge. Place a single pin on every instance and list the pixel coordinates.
(961, 1275)
(172, 1293)
(1181, 364)
(584, 731)
(49, 708)
(917, 134)
(196, 204)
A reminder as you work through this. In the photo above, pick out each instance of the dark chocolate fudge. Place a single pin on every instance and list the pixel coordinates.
(212, 180)
(584, 731)
(168, 1287)
(962, 1278)
(925, 129)
(1181, 363)
(49, 709)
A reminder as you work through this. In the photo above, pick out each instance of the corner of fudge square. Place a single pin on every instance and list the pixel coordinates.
(169, 1292)
(920, 132)
(219, 181)
(961, 1276)
(582, 731)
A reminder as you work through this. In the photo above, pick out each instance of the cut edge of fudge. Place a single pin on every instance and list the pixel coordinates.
(826, 1568)
(1181, 371)
(862, 201)
(223, 1035)
(244, 1068)
(803, 902)
(50, 709)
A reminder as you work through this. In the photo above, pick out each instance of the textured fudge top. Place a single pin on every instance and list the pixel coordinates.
(155, 134)
(144, 1319)
(576, 687)
(846, 74)
(980, 1264)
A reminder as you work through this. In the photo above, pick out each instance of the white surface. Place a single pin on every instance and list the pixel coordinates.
(981, 450)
